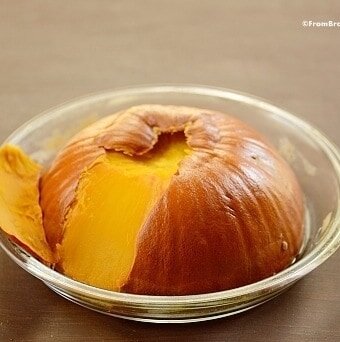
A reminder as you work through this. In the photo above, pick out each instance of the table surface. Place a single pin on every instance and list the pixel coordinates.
(52, 51)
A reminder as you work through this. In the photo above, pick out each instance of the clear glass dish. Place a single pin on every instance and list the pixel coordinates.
(313, 157)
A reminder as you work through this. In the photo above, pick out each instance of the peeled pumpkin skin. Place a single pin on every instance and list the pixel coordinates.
(129, 207)
(20, 213)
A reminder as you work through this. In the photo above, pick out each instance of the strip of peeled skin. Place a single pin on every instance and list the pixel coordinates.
(20, 212)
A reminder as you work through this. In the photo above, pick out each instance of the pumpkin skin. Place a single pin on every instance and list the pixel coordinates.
(20, 213)
(231, 215)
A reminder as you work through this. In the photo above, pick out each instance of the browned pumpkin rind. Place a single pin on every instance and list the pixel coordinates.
(232, 215)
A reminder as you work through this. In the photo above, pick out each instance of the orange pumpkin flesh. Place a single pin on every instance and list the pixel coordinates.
(113, 198)
(130, 208)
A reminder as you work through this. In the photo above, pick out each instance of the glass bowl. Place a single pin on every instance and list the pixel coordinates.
(313, 157)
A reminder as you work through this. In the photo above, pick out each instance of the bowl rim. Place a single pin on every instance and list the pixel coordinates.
(327, 245)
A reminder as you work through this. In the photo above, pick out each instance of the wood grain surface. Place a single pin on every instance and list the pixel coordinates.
(52, 51)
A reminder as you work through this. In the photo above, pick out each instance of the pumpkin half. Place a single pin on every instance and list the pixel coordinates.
(158, 200)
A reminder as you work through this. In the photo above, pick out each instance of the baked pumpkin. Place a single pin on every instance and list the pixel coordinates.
(160, 200)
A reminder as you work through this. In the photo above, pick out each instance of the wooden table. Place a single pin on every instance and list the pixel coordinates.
(52, 51)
